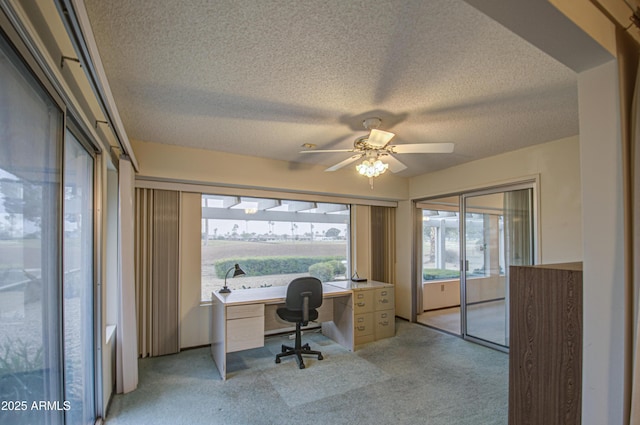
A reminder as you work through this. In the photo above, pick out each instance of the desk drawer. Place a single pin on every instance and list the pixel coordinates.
(245, 333)
(363, 324)
(384, 298)
(246, 310)
(362, 301)
(385, 324)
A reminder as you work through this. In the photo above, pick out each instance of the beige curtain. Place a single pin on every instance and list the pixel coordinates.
(627, 56)
(517, 217)
(383, 244)
(157, 271)
(126, 353)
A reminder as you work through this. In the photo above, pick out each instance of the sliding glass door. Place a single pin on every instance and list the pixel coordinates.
(468, 242)
(30, 185)
(77, 283)
(47, 345)
(498, 233)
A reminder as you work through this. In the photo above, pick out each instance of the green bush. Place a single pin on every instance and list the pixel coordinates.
(262, 266)
(339, 267)
(435, 274)
(323, 271)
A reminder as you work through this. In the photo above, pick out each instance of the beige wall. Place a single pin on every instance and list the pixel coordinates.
(557, 165)
(195, 319)
(603, 339)
(210, 167)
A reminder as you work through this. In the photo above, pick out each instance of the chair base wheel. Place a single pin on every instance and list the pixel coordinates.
(298, 353)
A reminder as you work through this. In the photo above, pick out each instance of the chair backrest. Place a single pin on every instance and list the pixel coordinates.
(301, 288)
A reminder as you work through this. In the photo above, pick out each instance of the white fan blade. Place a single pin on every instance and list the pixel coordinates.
(344, 163)
(379, 138)
(423, 148)
(328, 150)
(395, 166)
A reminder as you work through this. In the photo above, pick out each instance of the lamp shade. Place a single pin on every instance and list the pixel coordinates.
(237, 271)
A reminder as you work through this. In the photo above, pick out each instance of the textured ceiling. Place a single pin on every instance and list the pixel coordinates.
(261, 78)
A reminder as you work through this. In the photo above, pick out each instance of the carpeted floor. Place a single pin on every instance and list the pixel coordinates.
(421, 376)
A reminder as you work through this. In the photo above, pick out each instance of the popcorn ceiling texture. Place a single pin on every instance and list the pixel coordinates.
(261, 78)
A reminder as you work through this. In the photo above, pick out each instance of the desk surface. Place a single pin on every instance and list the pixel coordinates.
(270, 295)
(277, 294)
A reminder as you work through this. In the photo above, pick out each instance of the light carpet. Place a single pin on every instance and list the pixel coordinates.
(419, 376)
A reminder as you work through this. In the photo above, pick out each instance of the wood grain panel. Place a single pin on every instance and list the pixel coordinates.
(545, 354)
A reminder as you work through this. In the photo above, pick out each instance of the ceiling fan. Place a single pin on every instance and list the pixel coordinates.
(375, 147)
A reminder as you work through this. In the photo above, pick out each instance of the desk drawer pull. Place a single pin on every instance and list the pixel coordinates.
(360, 295)
(383, 293)
(360, 319)
(361, 304)
(383, 315)
(385, 323)
(361, 328)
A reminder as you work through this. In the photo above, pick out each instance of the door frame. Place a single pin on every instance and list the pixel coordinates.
(525, 182)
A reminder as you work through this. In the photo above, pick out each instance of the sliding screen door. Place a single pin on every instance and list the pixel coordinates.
(498, 233)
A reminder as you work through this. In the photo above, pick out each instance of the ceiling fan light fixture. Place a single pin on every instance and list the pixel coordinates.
(372, 168)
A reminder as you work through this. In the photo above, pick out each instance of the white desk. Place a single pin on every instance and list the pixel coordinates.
(241, 319)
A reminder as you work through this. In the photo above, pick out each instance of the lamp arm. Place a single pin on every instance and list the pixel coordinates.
(227, 274)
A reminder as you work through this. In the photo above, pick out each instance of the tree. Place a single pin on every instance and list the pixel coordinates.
(23, 199)
(332, 233)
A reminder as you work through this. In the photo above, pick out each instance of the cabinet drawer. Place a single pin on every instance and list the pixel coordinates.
(362, 301)
(384, 298)
(247, 310)
(363, 324)
(362, 339)
(245, 333)
(385, 326)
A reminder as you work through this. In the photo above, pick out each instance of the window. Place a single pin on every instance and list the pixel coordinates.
(30, 246)
(273, 241)
(440, 245)
(441, 240)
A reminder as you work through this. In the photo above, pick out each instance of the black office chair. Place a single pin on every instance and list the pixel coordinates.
(304, 296)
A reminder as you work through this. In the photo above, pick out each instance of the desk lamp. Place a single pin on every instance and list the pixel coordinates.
(237, 271)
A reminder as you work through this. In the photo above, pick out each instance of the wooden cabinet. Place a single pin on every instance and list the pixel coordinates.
(545, 350)
(373, 312)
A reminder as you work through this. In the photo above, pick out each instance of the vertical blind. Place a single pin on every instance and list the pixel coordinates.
(383, 244)
(157, 271)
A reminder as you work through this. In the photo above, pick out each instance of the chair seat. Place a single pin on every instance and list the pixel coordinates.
(295, 316)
